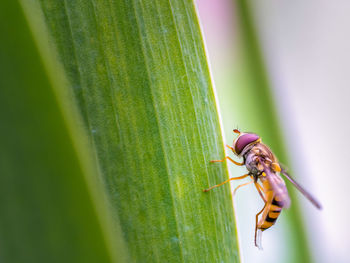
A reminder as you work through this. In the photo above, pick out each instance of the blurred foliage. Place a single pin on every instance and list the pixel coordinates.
(248, 104)
(48, 213)
(123, 98)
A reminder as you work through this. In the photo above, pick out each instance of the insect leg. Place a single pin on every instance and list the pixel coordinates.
(260, 190)
(256, 225)
(234, 191)
(230, 147)
(229, 158)
(233, 178)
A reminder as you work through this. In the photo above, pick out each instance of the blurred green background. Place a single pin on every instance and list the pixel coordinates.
(303, 59)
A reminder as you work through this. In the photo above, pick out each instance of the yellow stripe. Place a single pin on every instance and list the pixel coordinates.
(275, 208)
(274, 214)
(266, 224)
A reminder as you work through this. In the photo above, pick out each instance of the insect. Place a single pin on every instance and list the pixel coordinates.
(264, 169)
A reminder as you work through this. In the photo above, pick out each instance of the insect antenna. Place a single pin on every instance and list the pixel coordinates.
(236, 131)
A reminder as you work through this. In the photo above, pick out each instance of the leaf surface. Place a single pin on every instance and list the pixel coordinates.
(140, 79)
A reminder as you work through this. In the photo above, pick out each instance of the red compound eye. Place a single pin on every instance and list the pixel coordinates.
(244, 140)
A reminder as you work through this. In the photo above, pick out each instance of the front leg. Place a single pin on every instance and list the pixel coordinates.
(229, 158)
(233, 178)
(260, 190)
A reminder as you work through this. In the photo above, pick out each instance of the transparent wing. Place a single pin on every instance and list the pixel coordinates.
(278, 186)
(302, 190)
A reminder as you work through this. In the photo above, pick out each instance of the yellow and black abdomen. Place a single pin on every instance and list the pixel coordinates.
(270, 213)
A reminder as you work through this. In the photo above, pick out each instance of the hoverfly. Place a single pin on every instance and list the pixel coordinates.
(264, 169)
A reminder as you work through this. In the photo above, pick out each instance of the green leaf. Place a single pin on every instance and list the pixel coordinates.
(140, 79)
(49, 213)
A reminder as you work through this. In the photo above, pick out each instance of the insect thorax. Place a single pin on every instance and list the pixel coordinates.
(254, 155)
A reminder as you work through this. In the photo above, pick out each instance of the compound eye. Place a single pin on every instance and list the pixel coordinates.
(244, 140)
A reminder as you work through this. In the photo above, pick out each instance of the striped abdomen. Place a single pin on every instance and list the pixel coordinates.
(270, 213)
(276, 196)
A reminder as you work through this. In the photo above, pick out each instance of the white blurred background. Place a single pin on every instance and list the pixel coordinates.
(306, 47)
